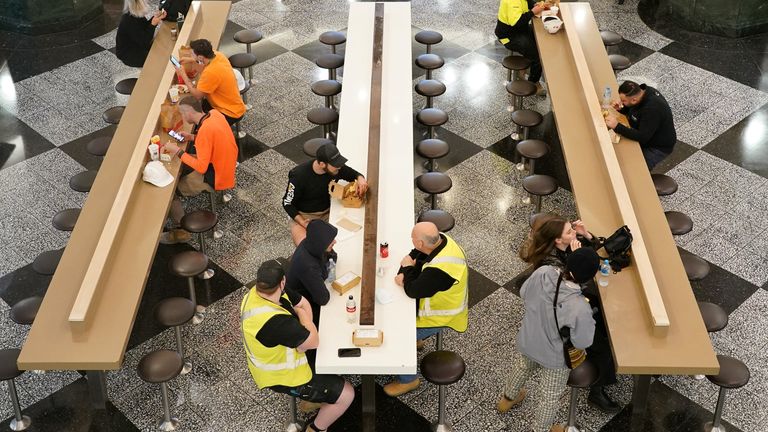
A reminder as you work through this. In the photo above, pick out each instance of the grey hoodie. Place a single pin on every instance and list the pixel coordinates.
(538, 338)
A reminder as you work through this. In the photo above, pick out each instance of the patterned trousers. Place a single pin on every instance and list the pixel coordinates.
(553, 382)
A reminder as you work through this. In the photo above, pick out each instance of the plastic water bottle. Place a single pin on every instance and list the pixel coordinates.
(331, 271)
(607, 97)
(605, 272)
(351, 309)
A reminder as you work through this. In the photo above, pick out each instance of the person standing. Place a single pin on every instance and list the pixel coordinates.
(136, 32)
(514, 31)
(650, 121)
(217, 85)
(210, 160)
(435, 273)
(306, 195)
(553, 301)
(277, 330)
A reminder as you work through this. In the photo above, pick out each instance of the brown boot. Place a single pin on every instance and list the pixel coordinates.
(504, 404)
(396, 388)
(420, 344)
(557, 428)
(308, 407)
(175, 236)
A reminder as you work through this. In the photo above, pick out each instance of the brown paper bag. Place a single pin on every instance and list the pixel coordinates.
(170, 117)
(347, 194)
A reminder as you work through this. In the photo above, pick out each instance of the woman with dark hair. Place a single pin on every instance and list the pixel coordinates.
(552, 240)
(136, 32)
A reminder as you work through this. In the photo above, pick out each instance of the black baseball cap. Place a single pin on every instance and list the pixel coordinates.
(328, 153)
(270, 274)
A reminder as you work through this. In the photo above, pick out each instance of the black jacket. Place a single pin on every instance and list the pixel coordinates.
(651, 122)
(307, 191)
(174, 7)
(309, 266)
(134, 40)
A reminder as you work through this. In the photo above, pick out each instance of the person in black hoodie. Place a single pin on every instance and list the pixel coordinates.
(136, 32)
(309, 265)
(650, 121)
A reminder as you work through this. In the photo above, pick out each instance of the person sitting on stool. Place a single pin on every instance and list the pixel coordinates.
(277, 329)
(435, 273)
(650, 121)
(211, 155)
(514, 31)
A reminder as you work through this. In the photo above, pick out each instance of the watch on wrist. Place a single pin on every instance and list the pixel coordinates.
(180, 153)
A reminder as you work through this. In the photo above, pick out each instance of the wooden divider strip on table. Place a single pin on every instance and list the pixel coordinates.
(370, 236)
(640, 258)
(98, 342)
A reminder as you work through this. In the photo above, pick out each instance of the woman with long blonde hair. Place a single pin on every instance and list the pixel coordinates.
(136, 32)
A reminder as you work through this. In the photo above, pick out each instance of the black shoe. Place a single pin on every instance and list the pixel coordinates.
(599, 399)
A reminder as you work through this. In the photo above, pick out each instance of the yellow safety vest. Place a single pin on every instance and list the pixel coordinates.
(447, 308)
(269, 366)
(510, 12)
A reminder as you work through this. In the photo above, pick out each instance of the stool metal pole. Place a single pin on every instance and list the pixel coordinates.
(715, 425)
(208, 273)
(538, 203)
(293, 424)
(19, 421)
(198, 317)
(250, 68)
(571, 426)
(168, 423)
(442, 424)
(180, 348)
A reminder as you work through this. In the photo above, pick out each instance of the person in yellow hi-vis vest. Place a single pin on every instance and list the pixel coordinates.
(277, 329)
(435, 273)
(514, 31)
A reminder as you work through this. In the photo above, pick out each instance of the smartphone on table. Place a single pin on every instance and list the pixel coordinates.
(349, 352)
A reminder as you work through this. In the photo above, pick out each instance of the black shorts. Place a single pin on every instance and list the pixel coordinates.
(321, 388)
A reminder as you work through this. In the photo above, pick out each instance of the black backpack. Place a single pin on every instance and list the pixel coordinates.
(618, 247)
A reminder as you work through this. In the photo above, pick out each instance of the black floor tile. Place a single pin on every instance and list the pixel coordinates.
(745, 144)
(723, 288)
(392, 415)
(27, 63)
(76, 149)
(250, 147)
(516, 283)
(480, 287)
(682, 152)
(69, 410)
(315, 49)
(730, 64)
(461, 149)
(19, 142)
(667, 411)
(264, 49)
(162, 284)
(293, 149)
(631, 50)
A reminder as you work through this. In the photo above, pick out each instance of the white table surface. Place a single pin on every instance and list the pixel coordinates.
(397, 320)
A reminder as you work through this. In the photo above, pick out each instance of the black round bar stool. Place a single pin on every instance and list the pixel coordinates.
(113, 115)
(200, 222)
(311, 146)
(159, 367)
(442, 368)
(525, 120)
(98, 146)
(431, 149)
(125, 87)
(47, 262)
(610, 38)
(8, 372)
(441, 218)
(333, 38)
(619, 62)
(519, 90)
(432, 118)
(82, 182)
(430, 88)
(429, 62)
(580, 378)
(664, 184)
(696, 268)
(679, 223)
(539, 185)
(515, 65)
(324, 117)
(248, 37)
(330, 62)
(733, 374)
(191, 264)
(24, 311)
(328, 89)
(65, 220)
(531, 150)
(175, 312)
(428, 38)
(434, 183)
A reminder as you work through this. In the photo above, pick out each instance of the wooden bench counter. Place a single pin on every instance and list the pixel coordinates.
(577, 72)
(119, 225)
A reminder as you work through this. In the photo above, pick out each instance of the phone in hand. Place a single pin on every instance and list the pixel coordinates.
(349, 352)
(175, 135)
(175, 62)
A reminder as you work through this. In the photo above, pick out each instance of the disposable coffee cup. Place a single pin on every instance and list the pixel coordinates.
(173, 93)
(154, 151)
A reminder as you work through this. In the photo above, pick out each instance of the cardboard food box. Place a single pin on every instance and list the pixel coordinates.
(346, 282)
(367, 337)
(346, 194)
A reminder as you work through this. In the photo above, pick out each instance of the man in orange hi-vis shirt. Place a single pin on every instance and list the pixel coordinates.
(212, 154)
(217, 86)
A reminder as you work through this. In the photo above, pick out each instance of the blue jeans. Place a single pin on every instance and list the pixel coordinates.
(421, 334)
(653, 156)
